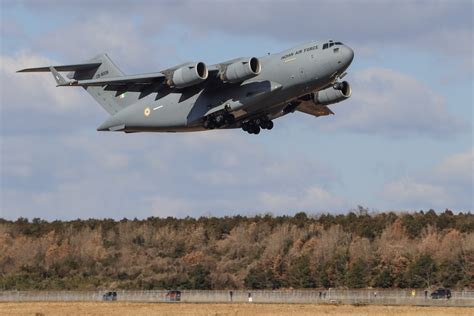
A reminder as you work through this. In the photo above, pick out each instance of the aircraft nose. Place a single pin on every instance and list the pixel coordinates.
(348, 55)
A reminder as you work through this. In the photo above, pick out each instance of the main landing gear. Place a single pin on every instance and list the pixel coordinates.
(218, 121)
(254, 126)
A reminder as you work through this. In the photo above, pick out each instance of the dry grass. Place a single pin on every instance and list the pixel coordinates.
(139, 309)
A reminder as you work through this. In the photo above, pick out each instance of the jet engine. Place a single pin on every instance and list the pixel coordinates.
(337, 93)
(188, 75)
(241, 70)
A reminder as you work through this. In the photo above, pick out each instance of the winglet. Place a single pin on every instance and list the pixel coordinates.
(59, 79)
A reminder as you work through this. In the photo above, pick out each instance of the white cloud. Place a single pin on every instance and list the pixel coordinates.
(102, 33)
(63, 172)
(456, 170)
(23, 92)
(217, 177)
(441, 26)
(447, 185)
(162, 206)
(412, 194)
(312, 199)
(387, 102)
(90, 174)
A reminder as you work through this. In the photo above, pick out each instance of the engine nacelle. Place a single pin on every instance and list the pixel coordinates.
(337, 93)
(241, 70)
(188, 75)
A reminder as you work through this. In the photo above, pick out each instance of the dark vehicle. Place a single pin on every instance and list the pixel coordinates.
(109, 296)
(441, 293)
(173, 296)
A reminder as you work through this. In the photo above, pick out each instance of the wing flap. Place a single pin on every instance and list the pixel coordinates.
(145, 83)
(310, 108)
(123, 80)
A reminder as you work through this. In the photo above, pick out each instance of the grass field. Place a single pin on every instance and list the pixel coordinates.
(141, 309)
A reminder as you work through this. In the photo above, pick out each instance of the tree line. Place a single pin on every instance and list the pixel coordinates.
(353, 250)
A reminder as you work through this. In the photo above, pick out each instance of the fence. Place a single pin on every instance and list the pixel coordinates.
(331, 296)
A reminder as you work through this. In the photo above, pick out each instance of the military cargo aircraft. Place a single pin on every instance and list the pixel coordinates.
(247, 93)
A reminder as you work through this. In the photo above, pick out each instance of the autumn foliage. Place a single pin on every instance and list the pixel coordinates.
(356, 250)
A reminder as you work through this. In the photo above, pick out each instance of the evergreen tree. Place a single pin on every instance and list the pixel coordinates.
(451, 273)
(384, 279)
(299, 275)
(199, 278)
(422, 273)
(357, 275)
(258, 279)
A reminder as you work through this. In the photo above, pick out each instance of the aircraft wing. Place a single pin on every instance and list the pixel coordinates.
(254, 92)
(144, 79)
(311, 108)
(74, 67)
(143, 83)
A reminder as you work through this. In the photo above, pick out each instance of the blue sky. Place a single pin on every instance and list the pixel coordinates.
(404, 141)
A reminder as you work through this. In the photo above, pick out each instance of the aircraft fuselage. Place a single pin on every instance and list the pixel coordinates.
(247, 93)
(284, 76)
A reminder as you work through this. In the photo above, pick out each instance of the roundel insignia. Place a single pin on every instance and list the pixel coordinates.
(147, 111)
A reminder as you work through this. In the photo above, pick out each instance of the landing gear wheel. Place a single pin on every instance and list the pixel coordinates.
(220, 121)
(229, 119)
(256, 129)
(211, 123)
(270, 125)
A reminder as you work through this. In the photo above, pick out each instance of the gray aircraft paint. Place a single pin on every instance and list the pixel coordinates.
(284, 77)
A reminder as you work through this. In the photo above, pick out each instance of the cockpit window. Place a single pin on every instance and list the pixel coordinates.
(338, 43)
(331, 44)
(325, 45)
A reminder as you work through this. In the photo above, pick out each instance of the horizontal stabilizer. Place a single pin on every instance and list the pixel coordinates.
(75, 67)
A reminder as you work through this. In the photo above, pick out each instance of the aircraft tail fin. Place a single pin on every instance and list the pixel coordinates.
(57, 76)
(100, 66)
(111, 102)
